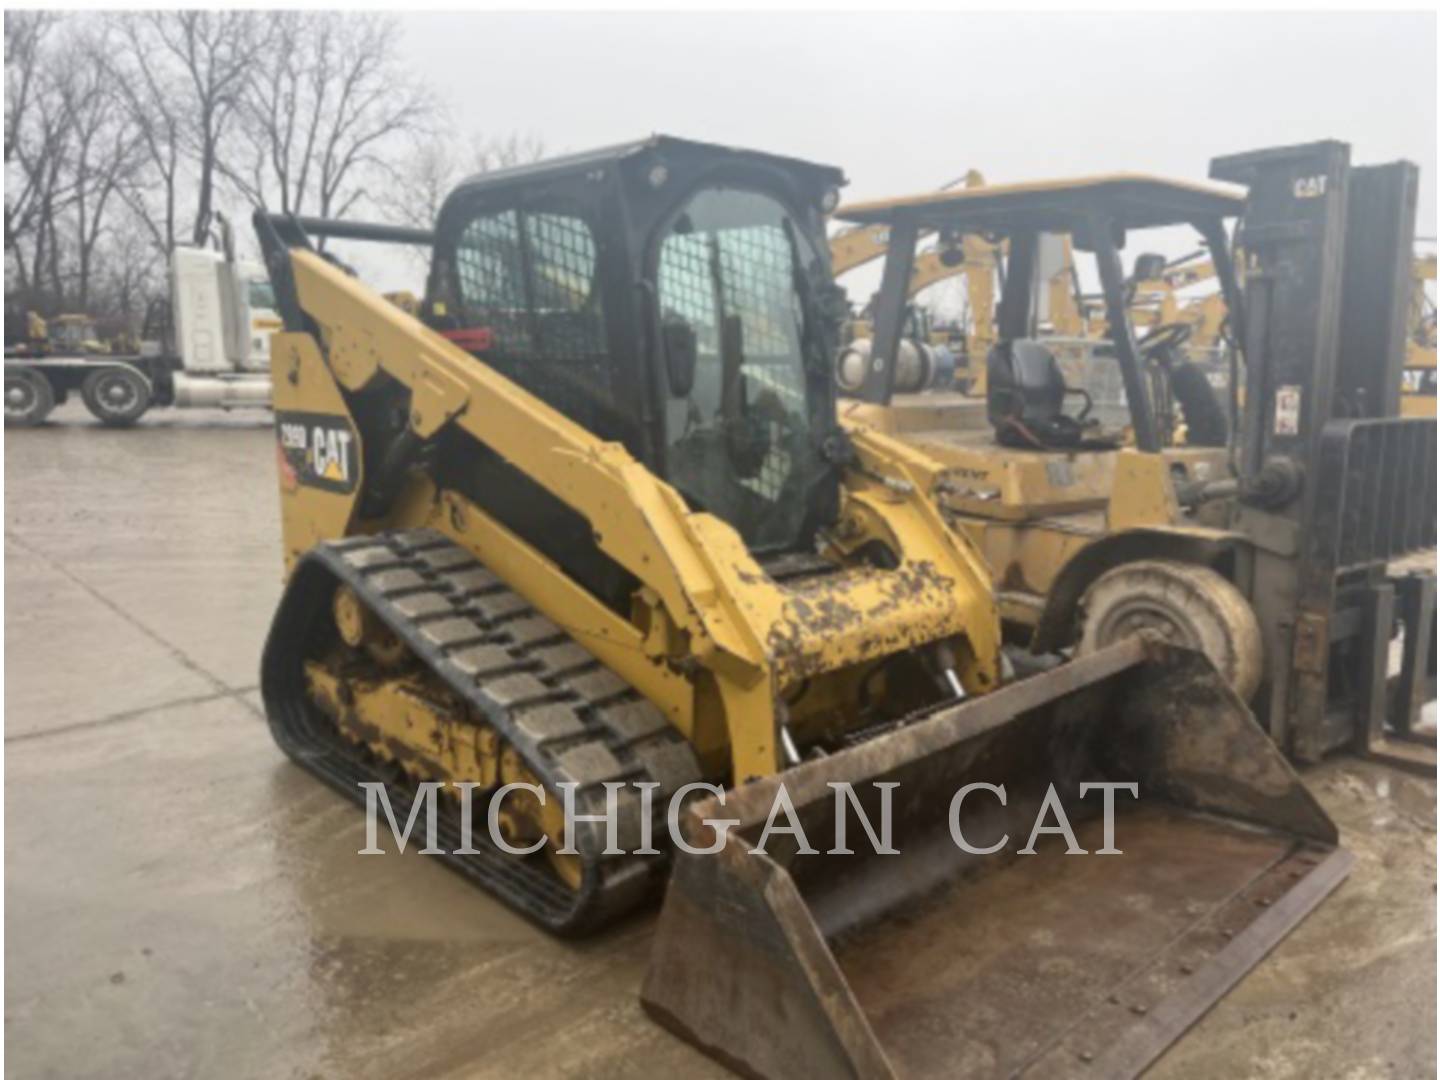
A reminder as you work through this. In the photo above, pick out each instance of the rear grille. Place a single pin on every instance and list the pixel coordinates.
(1377, 482)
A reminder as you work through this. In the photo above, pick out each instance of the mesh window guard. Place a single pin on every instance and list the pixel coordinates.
(491, 272)
(530, 278)
(556, 315)
(739, 443)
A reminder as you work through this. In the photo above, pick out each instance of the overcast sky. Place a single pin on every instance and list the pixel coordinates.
(908, 102)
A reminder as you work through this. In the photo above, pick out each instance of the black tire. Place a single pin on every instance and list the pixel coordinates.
(1185, 604)
(116, 396)
(29, 397)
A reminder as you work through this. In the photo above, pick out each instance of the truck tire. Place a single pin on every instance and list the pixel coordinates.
(29, 397)
(116, 396)
(1185, 604)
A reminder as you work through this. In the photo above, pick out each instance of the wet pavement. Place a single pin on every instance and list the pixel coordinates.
(181, 901)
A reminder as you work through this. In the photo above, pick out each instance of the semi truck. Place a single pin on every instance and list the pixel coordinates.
(205, 344)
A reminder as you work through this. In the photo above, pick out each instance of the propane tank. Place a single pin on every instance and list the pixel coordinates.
(917, 367)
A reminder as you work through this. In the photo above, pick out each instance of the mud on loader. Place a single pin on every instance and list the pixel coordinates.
(592, 518)
(1293, 545)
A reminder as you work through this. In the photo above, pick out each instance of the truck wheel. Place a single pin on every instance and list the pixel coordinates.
(1185, 604)
(116, 396)
(28, 398)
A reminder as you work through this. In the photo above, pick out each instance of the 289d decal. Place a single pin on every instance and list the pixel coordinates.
(318, 450)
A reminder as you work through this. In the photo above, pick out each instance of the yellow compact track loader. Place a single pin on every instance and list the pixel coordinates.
(590, 524)
(1289, 539)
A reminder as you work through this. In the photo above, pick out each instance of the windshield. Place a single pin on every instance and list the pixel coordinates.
(261, 295)
(739, 443)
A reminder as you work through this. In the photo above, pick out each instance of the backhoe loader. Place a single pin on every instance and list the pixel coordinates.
(1289, 539)
(590, 522)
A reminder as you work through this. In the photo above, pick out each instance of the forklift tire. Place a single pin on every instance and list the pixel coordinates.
(28, 397)
(1187, 605)
(116, 396)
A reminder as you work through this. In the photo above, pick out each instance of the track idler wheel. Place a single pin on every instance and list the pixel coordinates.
(360, 628)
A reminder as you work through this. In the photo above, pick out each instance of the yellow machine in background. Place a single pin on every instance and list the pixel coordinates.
(1093, 533)
(592, 520)
(1417, 392)
(1075, 323)
(75, 333)
(26, 332)
(973, 257)
(405, 300)
(69, 334)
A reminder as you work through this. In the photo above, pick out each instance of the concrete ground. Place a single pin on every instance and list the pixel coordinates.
(181, 901)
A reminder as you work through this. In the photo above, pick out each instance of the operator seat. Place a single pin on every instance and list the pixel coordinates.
(1025, 398)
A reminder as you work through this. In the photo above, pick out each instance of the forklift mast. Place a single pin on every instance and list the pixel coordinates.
(1337, 489)
(1379, 281)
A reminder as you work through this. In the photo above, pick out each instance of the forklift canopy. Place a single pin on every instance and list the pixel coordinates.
(1129, 200)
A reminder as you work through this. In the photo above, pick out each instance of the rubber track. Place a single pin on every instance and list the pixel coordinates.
(569, 717)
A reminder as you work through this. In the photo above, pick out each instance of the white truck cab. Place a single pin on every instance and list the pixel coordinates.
(205, 345)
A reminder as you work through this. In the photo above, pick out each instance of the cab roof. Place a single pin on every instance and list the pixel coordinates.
(663, 146)
(1129, 200)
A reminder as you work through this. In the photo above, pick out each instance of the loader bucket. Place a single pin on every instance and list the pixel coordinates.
(934, 961)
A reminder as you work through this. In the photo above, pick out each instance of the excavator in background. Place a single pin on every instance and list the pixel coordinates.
(591, 519)
(1289, 547)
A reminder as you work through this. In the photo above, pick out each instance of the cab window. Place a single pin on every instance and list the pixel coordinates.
(529, 303)
(530, 278)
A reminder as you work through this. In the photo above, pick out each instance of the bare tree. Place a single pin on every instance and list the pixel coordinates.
(104, 151)
(324, 114)
(436, 164)
(36, 141)
(24, 37)
(129, 271)
(123, 132)
(69, 148)
(184, 76)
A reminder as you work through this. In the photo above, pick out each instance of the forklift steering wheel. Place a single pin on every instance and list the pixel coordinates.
(1165, 337)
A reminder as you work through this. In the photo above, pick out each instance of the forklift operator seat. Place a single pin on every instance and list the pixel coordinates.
(1025, 398)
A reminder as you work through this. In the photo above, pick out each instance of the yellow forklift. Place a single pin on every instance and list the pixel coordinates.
(1292, 548)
